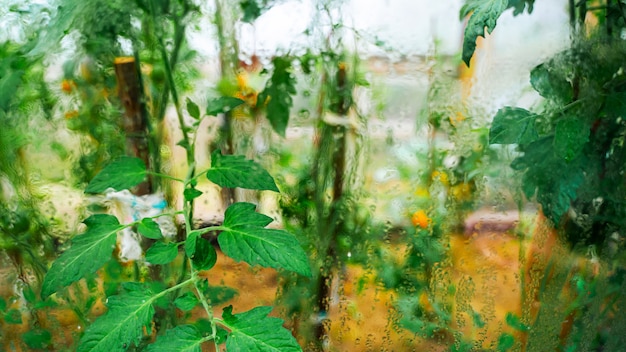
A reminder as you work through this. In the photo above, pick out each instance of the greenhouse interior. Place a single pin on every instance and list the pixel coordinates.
(312, 175)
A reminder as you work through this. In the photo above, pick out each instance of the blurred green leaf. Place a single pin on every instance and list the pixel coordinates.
(278, 94)
(506, 341)
(13, 316)
(37, 338)
(222, 105)
(570, 137)
(551, 85)
(236, 171)
(123, 173)
(514, 321)
(193, 109)
(513, 126)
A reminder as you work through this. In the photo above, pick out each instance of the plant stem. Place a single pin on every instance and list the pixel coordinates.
(165, 176)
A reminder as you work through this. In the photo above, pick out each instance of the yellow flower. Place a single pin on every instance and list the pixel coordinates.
(441, 177)
(421, 219)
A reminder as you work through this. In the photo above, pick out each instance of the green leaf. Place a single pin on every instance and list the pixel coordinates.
(251, 10)
(553, 179)
(190, 242)
(551, 85)
(123, 173)
(242, 213)
(254, 330)
(278, 94)
(514, 321)
(183, 338)
(29, 294)
(205, 255)
(505, 342)
(8, 85)
(570, 137)
(186, 302)
(88, 253)
(191, 194)
(243, 239)
(122, 324)
(13, 316)
(520, 5)
(3, 305)
(513, 126)
(235, 171)
(220, 294)
(161, 253)
(150, 229)
(484, 13)
(37, 338)
(193, 109)
(222, 105)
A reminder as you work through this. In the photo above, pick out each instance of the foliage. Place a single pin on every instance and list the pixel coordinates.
(278, 94)
(243, 237)
(571, 159)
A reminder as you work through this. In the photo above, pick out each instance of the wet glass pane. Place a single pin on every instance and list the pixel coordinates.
(317, 175)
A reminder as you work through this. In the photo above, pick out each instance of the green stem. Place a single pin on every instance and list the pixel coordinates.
(158, 174)
(170, 79)
(207, 307)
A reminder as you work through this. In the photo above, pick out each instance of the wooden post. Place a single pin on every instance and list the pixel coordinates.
(134, 121)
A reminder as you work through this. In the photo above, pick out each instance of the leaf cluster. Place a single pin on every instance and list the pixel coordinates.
(573, 147)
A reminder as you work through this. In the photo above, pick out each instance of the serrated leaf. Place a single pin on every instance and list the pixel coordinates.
(193, 109)
(183, 338)
(122, 324)
(87, 253)
(150, 229)
(570, 137)
(186, 302)
(513, 126)
(191, 194)
(37, 338)
(205, 255)
(13, 316)
(123, 173)
(243, 240)
(242, 213)
(235, 171)
(161, 253)
(484, 13)
(278, 94)
(255, 331)
(222, 105)
(551, 85)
